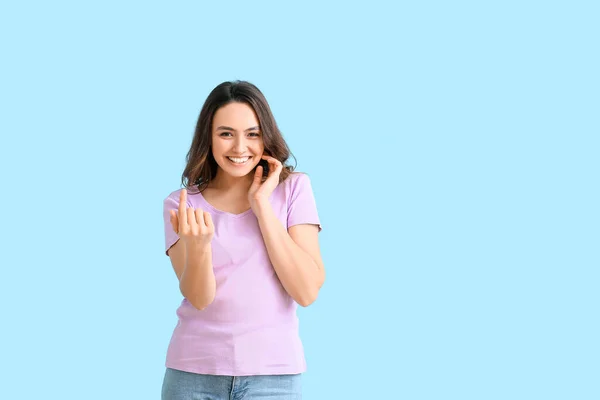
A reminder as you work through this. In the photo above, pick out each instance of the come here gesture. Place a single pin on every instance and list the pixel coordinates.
(194, 226)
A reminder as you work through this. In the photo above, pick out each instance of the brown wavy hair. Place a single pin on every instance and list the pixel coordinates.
(201, 166)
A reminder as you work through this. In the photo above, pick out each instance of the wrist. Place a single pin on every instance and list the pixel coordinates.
(260, 206)
(195, 247)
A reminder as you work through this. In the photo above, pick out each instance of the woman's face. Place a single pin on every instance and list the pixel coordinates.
(237, 142)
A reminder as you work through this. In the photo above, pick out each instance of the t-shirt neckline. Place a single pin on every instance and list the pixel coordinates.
(216, 210)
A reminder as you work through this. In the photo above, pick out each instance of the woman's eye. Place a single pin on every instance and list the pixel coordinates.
(225, 134)
(254, 134)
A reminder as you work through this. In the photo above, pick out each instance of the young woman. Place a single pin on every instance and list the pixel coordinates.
(242, 237)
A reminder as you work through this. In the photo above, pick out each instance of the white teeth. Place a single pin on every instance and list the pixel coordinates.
(239, 160)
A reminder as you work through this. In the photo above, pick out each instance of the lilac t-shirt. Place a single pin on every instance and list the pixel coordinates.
(251, 327)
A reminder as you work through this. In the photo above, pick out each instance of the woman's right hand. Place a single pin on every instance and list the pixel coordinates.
(194, 226)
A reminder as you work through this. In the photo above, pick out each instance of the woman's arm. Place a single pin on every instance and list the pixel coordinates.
(191, 256)
(193, 267)
(295, 255)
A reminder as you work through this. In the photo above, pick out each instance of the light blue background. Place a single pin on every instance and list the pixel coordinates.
(453, 150)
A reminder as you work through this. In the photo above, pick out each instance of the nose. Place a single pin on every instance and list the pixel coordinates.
(239, 145)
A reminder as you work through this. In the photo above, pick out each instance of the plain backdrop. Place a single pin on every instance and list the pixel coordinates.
(453, 151)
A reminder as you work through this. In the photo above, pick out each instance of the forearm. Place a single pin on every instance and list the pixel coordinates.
(298, 272)
(197, 283)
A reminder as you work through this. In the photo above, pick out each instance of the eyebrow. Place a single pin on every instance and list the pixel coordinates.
(227, 128)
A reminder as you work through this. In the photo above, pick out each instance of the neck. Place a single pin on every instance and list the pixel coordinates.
(227, 183)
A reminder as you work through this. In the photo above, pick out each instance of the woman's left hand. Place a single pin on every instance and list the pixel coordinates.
(260, 192)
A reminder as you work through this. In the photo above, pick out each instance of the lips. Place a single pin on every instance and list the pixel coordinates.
(239, 160)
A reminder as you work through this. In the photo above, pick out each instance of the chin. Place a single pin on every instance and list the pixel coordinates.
(238, 174)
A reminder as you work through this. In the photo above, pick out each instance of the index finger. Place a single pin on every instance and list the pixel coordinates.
(273, 161)
(182, 206)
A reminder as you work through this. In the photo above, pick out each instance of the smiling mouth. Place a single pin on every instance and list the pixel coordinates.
(239, 160)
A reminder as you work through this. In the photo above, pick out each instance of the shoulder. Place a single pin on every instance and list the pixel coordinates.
(175, 194)
(297, 178)
(289, 184)
(296, 185)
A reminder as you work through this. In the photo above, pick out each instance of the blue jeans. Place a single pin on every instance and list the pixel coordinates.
(181, 385)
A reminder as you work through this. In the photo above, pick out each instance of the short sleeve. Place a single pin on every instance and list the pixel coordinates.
(170, 203)
(302, 207)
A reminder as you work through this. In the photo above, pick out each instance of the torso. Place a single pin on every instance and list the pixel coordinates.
(251, 327)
